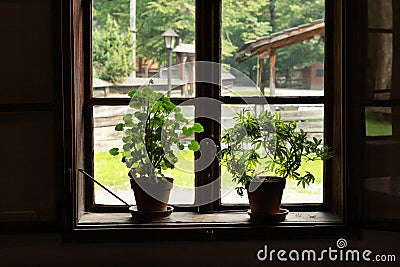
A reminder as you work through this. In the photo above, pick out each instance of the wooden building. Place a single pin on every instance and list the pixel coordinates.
(265, 47)
(313, 76)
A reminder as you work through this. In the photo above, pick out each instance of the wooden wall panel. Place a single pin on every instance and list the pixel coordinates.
(382, 158)
(27, 177)
(26, 52)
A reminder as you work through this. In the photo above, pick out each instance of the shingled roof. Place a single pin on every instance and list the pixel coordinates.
(279, 39)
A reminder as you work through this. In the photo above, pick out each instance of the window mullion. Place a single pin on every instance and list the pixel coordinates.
(208, 49)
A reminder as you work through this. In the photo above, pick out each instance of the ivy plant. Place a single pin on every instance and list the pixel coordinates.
(153, 129)
(264, 144)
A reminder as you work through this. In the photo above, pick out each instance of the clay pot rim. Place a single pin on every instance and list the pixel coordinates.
(168, 179)
(267, 179)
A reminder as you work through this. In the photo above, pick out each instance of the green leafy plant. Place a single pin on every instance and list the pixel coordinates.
(267, 145)
(152, 129)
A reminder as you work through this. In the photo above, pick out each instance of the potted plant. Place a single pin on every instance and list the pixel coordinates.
(153, 128)
(261, 152)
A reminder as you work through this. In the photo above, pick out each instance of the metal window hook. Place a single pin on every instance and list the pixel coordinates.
(102, 186)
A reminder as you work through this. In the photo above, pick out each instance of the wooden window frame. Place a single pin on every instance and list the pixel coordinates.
(75, 33)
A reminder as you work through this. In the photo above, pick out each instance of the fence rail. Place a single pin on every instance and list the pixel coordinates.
(106, 117)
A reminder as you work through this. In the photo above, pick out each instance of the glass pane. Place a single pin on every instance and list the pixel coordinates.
(255, 41)
(112, 173)
(310, 118)
(378, 121)
(380, 56)
(128, 45)
(380, 14)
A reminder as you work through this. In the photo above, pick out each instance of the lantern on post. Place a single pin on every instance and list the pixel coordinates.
(170, 38)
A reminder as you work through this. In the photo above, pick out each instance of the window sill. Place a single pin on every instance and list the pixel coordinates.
(190, 226)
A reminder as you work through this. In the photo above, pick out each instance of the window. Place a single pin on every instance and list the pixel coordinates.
(103, 104)
(381, 111)
(294, 89)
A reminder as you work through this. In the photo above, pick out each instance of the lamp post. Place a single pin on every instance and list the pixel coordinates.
(169, 38)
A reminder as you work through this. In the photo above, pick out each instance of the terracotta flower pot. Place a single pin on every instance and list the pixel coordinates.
(151, 196)
(265, 195)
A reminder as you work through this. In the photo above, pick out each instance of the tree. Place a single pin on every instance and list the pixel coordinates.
(292, 13)
(117, 9)
(153, 17)
(243, 21)
(156, 16)
(112, 52)
(248, 20)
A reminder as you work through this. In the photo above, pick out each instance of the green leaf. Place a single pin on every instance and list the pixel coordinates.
(198, 128)
(179, 117)
(119, 127)
(127, 118)
(194, 145)
(126, 147)
(141, 116)
(187, 131)
(181, 147)
(114, 151)
(129, 124)
(147, 90)
(132, 93)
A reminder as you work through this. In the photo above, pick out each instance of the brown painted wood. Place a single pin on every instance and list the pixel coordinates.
(208, 49)
(314, 30)
(261, 61)
(77, 89)
(22, 107)
(395, 93)
(272, 77)
(380, 30)
(355, 81)
(274, 100)
(195, 219)
(334, 187)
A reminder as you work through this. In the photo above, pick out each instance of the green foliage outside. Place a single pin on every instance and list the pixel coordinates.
(153, 17)
(270, 17)
(112, 52)
(293, 13)
(242, 21)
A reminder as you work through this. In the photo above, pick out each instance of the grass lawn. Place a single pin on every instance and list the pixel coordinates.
(111, 172)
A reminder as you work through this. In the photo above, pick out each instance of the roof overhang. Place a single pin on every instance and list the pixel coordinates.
(262, 46)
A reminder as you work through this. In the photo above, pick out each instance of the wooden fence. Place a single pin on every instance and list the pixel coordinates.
(309, 119)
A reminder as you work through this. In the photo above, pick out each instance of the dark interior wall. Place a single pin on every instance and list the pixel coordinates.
(48, 250)
(29, 158)
(27, 120)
